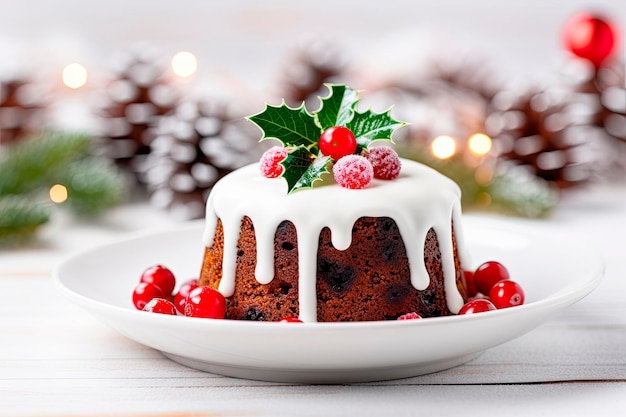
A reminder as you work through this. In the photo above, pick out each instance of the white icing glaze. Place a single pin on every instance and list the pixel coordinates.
(420, 198)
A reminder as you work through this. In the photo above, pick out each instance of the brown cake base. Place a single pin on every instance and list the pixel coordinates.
(368, 281)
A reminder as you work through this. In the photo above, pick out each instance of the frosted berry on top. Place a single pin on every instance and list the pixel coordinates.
(270, 161)
(353, 171)
(385, 162)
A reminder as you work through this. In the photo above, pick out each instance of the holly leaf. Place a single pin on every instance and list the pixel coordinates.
(292, 127)
(338, 108)
(368, 127)
(301, 169)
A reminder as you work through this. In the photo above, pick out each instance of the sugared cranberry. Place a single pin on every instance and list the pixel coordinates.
(291, 320)
(506, 294)
(410, 316)
(469, 283)
(161, 277)
(160, 306)
(385, 162)
(488, 274)
(205, 302)
(144, 293)
(337, 141)
(353, 171)
(270, 162)
(479, 305)
(180, 298)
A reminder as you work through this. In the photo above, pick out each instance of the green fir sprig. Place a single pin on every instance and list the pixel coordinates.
(29, 168)
(299, 132)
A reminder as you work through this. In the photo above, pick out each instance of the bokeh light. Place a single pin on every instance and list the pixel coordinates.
(58, 193)
(74, 76)
(184, 64)
(443, 147)
(479, 144)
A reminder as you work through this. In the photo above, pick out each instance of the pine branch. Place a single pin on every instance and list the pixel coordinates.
(92, 185)
(20, 216)
(29, 164)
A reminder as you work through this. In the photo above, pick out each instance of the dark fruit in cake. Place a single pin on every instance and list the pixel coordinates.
(160, 306)
(144, 293)
(506, 294)
(488, 274)
(160, 276)
(180, 298)
(337, 141)
(205, 302)
(479, 305)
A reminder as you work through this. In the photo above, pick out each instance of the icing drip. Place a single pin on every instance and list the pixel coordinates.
(419, 199)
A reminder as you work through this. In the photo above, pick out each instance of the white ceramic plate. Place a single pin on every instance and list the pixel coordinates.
(554, 274)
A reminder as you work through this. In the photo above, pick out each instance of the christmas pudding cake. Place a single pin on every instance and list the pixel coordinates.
(330, 227)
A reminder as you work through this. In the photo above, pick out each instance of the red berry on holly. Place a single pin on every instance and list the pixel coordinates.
(479, 305)
(161, 277)
(337, 141)
(353, 171)
(409, 316)
(469, 283)
(160, 306)
(270, 162)
(180, 298)
(385, 162)
(205, 302)
(144, 293)
(589, 37)
(291, 320)
(506, 294)
(488, 274)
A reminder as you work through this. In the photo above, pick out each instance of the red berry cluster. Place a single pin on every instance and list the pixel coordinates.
(350, 170)
(489, 288)
(155, 294)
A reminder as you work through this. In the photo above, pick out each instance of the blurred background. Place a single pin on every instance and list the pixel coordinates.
(106, 103)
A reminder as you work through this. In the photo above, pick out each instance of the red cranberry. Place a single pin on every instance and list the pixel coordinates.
(160, 306)
(409, 316)
(180, 298)
(205, 302)
(487, 274)
(506, 294)
(479, 305)
(144, 293)
(470, 284)
(291, 320)
(161, 277)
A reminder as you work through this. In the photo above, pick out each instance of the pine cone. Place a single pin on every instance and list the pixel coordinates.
(135, 100)
(537, 130)
(21, 110)
(307, 70)
(608, 90)
(196, 145)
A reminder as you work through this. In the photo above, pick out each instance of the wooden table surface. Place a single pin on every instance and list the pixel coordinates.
(56, 360)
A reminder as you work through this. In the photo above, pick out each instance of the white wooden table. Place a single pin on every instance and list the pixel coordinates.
(56, 360)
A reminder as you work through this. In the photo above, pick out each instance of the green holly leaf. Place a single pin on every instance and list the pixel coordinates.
(368, 127)
(338, 108)
(292, 127)
(302, 168)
